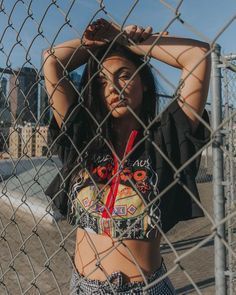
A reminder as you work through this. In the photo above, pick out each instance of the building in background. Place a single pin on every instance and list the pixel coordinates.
(30, 113)
(28, 141)
(41, 141)
(23, 95)
(27, 137)
(44, 109)
(3, 91)
(4, 103)
(14, 150)
(44, 112)
(5, 116)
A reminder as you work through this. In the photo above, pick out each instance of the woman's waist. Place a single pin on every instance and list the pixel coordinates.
(97, 256)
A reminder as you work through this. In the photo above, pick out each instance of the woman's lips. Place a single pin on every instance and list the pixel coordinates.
(118, 103)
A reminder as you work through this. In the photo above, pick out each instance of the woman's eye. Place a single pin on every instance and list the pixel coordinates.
(125, 77)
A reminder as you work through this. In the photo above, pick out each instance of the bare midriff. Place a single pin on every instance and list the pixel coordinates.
(97, 256)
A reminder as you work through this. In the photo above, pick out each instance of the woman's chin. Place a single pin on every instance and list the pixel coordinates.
(120, 112)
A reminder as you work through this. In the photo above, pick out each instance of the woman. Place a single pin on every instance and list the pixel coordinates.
(122, 184)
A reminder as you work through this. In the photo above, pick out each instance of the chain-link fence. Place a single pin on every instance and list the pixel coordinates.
(37, 246)
(229, 129)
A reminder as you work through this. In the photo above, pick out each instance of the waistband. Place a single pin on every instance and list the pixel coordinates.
(116, 280)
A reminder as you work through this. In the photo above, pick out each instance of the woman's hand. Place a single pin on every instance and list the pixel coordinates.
(101, 32)
(137, 34)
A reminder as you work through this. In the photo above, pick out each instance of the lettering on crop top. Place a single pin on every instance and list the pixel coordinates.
(114, 200)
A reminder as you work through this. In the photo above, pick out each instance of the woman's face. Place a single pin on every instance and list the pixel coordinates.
(118, 88)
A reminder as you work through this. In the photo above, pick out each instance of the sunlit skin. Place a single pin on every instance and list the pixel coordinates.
(120, 88)
(97, 256)
(115, 255)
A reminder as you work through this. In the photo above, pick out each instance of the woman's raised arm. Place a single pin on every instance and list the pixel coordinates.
(57, 61)
(191, 56)
(68, 56)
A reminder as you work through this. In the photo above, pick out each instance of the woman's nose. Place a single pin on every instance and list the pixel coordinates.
(112, 87)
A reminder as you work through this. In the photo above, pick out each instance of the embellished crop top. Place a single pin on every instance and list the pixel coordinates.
(133, 197)
(115, 199)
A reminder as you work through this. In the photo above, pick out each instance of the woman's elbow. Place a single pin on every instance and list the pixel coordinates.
(200, 61)
(203, 52)
(49, 57)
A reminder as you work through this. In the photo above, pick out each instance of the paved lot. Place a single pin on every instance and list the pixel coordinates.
(199, 264)
(26, 250)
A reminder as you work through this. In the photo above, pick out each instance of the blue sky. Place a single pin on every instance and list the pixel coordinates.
(45, 23)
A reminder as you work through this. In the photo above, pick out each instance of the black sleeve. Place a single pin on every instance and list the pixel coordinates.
(70, 136)
(180, 145)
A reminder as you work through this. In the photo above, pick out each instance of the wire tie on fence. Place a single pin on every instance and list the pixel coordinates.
(22, 249)
(214, 229)
(3, 234)
(99, 131)
(34, 284)
(11, 266)
(47, 265)
(2, 282)
(146, 132)
(179, 177)
(179, 265)
(178, 14)
(34, 231)
(66, 74)
(13, 218)
(62, 245)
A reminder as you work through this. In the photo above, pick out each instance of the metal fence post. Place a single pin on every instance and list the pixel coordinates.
(217, 157)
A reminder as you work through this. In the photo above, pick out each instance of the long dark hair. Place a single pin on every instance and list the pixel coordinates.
(94, 105)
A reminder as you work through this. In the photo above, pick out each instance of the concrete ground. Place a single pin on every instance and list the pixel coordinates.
(35, 255)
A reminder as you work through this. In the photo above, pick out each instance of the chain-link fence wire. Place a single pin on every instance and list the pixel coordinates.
(36, 255)
(229, 152)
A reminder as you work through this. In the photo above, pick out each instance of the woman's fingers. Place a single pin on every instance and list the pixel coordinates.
(138, 33)
(101, 31)
(95, 33)
(131, 31)
(146, 34)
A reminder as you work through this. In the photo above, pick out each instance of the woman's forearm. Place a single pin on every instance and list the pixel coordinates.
(190, 56)
(175, 51)
(70, 55)
(57, 61)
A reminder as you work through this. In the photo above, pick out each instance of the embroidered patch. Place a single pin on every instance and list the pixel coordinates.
(120, 211)
(132, 209)
(99, 207)
(86, 202)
